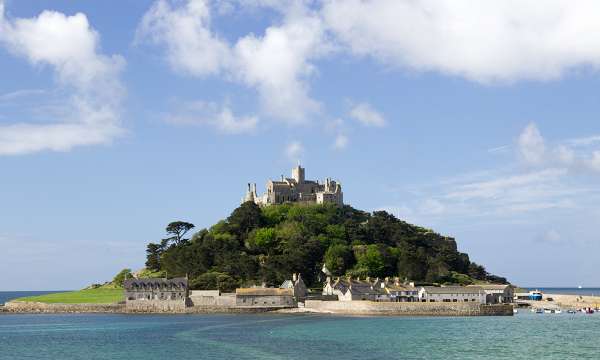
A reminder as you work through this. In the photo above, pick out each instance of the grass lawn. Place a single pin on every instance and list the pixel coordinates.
(87, 296)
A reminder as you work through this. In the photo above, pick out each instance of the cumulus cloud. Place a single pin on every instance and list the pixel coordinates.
(531, 145)
(366, 115)
(294, 151)
(576, 155)
(481, 41)
(341, 142)
(70, 47)
(276, 63)
(220, 117)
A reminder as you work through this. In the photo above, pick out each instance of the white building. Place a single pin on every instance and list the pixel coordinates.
(452, 294)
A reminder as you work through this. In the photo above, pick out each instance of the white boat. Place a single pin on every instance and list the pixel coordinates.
(515, 311)
(558, 311)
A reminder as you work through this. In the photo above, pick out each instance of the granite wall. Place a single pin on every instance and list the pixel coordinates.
(38, 307)
(408, 308)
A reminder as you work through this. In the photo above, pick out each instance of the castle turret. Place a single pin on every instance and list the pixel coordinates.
(250, 195)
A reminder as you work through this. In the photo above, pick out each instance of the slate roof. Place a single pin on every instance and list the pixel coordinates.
(453, 289)
(156, 283)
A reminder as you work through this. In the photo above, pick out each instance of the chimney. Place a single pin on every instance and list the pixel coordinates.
(328, 280)
(368, 279)
(294, 277)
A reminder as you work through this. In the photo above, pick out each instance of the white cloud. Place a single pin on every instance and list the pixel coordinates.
(531, 145)
(501, 186)
(276, 64)
(294, 151)
(70, 47)
(341, 142)
(220, 117)
(366, 115)
(482, 41)
(576, 155)
(550, 237)
(185, 32)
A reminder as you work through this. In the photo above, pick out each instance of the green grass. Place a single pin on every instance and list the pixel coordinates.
(87, 296)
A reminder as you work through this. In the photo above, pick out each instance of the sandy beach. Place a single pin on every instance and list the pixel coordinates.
(568, 301)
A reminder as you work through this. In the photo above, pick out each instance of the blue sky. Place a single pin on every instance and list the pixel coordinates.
(477, 120)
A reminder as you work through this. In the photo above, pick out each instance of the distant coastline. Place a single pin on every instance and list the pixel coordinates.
(591, 291)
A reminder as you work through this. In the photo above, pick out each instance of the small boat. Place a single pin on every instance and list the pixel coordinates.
(558, 311)
(571, 311)
(587, 310)
(535, 295)
(515, 311)
(539, 311)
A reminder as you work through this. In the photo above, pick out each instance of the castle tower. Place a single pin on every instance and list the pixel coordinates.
(298, 174)
(250, 195)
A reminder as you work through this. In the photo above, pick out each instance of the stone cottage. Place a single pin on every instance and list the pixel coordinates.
(156, 294)
(297, 285)
(156, 289)
(261, 297)
(350, 289)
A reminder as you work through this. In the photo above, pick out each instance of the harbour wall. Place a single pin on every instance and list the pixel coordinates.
(133, 307)
(408, 308)
(38, 307)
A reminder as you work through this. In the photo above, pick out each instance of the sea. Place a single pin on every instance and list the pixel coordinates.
(302, 336)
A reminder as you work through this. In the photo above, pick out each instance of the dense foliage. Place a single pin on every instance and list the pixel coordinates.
(255, 245)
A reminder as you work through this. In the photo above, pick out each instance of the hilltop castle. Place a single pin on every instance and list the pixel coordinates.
(297, 189)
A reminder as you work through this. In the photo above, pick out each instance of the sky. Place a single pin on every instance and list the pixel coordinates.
(479, 120)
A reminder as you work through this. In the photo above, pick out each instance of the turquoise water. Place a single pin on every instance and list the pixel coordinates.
(133, 337)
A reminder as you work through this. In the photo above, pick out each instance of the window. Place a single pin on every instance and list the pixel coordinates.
(446, 300)
(454, 300)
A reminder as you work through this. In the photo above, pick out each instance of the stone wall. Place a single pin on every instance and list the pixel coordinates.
(407, 308)
(223, 300)
(38, 307)
(156, 306)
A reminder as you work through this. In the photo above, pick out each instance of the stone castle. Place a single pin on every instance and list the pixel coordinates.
(297, 189)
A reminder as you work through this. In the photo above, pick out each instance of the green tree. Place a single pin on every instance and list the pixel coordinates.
(121, 277)
(245, 218)
(177, 230)
(214, 281)
(153, 254)
(371, 259)
(338, 258)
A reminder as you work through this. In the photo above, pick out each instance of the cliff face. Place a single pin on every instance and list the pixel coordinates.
(255, 245)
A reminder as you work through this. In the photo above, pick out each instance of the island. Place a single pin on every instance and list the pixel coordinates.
(297, 246)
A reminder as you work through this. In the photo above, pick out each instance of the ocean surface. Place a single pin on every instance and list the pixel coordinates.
(268, 336)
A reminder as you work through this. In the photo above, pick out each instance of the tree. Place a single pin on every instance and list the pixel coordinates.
(338, 258)
(214, 281)
(121, 277)
(178, 229)
(153, 254)
(371, 260)
(245, 218)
